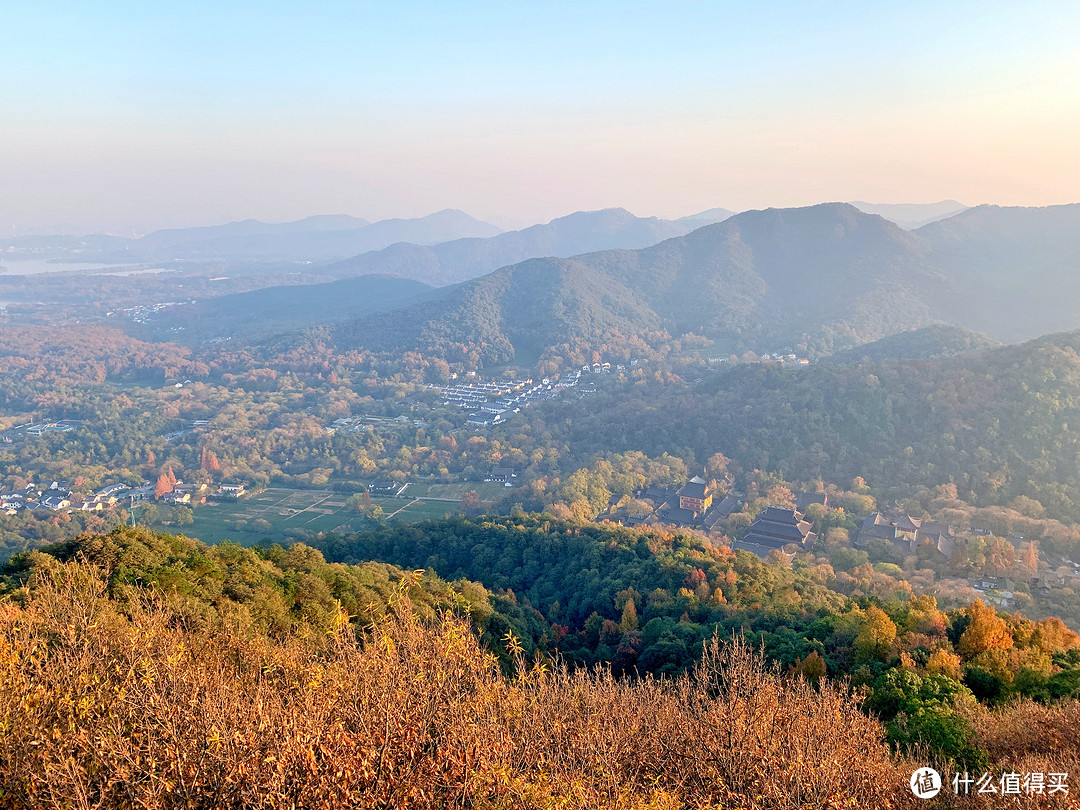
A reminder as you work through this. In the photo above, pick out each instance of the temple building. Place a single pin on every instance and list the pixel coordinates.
(776, 527)
(696, 496)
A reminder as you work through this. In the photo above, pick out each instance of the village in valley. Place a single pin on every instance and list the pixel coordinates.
(782, 523)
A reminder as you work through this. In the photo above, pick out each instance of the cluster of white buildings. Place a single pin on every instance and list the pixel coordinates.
(59, 496)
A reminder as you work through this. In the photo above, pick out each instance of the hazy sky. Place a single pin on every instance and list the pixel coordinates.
(144, 114)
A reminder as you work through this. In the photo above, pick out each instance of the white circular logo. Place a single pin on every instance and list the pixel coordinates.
(926, 783)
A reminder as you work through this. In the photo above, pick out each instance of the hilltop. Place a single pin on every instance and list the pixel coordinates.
(939, 340)
(272, 310)
(581, 232)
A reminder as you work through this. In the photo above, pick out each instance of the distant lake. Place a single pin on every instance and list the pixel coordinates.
(31, 267)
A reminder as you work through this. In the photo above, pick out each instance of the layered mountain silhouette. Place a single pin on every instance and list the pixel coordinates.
(462, 259)
(818, 280)
(824, 277)
(314, 239)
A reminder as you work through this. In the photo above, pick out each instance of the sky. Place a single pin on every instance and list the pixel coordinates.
(128, 116)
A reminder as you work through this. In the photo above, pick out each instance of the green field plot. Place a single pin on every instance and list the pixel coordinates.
(275, 513)
(486, 490)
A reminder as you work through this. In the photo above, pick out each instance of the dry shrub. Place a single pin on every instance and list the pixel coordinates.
(103, 709)
(1028, 737)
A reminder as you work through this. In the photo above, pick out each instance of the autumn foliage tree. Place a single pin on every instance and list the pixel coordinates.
(877, 635)
(209, 461)
(986, 631)
(163, 486)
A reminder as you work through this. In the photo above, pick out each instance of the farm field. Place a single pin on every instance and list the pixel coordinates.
(487, 491)
(274, 513)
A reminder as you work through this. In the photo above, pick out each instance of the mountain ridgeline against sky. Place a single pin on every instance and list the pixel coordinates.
(1015, 269)
(583, 232)
(314, 239)
(442, 248)
(824, 278)
(816, 280)
(828, 271)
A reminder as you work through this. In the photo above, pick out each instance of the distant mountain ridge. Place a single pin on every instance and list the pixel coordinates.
(323, 238)
(826, 277)
(1017, 269)
(821, 279)
(582, 232)
(170, 237)
(312, 239)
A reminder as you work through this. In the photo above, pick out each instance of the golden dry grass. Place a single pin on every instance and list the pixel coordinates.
(103, 708)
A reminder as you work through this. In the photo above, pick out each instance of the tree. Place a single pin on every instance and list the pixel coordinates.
(986, 631)
(163, 486)
(629, 619)
(780, 496)
(943, 662)
(812, 667)
(876, 637)
(149, 514)
(470, 502)
(183, 516)
(1030, 559)
(717, 465)
(209, 461)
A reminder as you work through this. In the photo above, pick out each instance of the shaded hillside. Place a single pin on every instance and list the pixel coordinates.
(1017, 269)
(823, 277)
(276, 309)
(463, 259)
(817, 280)
(518, 311)
(939, 340)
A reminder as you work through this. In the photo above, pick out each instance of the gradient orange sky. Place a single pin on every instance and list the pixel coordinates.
(128, 118)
